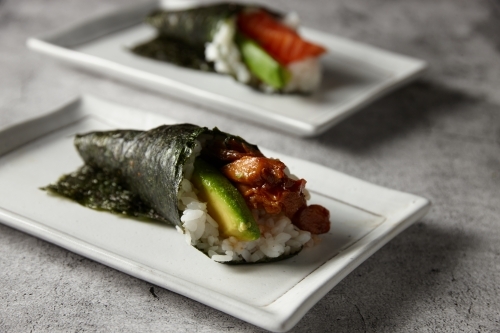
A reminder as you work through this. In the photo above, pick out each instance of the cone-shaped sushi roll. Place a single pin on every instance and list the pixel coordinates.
(256, 46)
(230, 201)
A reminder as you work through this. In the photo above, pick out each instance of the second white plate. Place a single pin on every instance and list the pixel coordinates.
(354, 75)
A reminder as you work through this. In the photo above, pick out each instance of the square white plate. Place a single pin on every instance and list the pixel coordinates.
(274, 296)
(354, 74)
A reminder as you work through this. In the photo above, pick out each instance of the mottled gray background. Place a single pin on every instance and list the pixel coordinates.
(438, 137)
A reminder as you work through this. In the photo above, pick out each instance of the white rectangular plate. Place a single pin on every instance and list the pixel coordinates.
(274, 296)
(354, 74)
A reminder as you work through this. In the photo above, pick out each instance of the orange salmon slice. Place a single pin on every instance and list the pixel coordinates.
(280, 41)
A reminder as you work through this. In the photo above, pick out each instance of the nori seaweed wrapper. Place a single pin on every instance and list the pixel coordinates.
(151, 163)
(182, 35)
(134, 173)
(195, 26)
(174, 51)
(101, 190)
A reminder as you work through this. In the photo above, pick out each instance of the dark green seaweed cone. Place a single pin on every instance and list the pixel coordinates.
(195, 26)
(150, 163)
(134, 173)
(174, 51)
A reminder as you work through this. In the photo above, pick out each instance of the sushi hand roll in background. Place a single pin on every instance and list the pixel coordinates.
(230, 201)
(257, 46)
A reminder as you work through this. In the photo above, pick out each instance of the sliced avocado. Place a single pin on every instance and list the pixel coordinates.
(224, 203)
(261, 64)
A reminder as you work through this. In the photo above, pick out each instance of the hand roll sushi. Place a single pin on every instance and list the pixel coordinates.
(257, 46)
(230, 201)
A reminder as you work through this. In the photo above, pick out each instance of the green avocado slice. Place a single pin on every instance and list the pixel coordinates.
(224, 203)
(261, 64)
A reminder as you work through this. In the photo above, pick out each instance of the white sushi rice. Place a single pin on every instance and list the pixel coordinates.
(224, 53)
(278, 235)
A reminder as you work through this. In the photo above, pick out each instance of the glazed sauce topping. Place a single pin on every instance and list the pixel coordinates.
(264, 184)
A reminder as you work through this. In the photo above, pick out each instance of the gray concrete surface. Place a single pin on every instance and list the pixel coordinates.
(438, 137)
